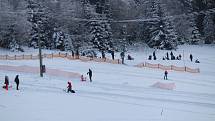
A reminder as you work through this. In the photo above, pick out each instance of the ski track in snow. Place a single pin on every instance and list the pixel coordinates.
(114, 97)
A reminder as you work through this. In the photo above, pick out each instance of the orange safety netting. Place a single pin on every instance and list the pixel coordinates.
(59, 55)
(35, 70)
(172, 67)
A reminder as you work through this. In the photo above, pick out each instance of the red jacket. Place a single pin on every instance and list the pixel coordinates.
(69, 85)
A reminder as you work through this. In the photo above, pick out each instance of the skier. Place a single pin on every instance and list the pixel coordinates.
(70, 88)
(167, 56)
(6, 82)
(165, 75)
(90, 74)
(191, 57)
(172, 55)
(77, 54)
(154, 54)
(112, 54)
(73, 54)
(17, 82)
(122, 54)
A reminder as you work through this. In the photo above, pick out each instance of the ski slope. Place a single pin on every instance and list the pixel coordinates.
(117, 93)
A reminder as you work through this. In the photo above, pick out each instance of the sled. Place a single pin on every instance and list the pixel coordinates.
(65, 90)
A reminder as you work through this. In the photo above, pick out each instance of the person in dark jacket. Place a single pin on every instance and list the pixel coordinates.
(191, 57)
(112, 54)
(122, 54)
(165, 75)
(6, 82)
(167, 56)
(154, 56)
(69, 88)
(17, 82)
(130, 58)
(90, 73)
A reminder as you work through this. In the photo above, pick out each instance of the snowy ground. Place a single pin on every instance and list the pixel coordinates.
(117, 93)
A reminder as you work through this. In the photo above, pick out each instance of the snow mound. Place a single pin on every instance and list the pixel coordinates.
(168, 86)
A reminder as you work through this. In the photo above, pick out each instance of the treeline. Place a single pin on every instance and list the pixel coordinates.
(83, 24)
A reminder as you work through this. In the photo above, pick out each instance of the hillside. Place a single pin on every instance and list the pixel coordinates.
(118, 92)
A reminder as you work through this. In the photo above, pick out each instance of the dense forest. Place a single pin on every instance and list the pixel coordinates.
(105, 24)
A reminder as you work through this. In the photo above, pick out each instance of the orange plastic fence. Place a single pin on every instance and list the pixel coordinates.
(172, 67)
(34, 70)
(59, 55)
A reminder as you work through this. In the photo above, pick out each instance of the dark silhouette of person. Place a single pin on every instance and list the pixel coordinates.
(165, 75)
(191, 57)
(112, 54)
(167, 56)
(6, 82)
(73, 54)
(154, 56)
(197, 61)
(122, 54)
(17, 82)
(179, 56)
(90, 73)
(103, 54)
(69, 88)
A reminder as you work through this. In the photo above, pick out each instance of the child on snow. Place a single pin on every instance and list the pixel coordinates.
(6, 82)
(83, 78)
(69, 88)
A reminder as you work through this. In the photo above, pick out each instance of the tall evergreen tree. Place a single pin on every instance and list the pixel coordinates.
(163, 34)
(209, 29)
(39, 20)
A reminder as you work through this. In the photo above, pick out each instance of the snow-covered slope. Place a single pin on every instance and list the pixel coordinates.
(117, 93)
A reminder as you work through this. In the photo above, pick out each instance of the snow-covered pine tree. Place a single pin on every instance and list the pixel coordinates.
(59, 40)
(100, 29)
(38, 18)
(163, 34)
(209, 29)
(68, 43)
(107, 25)
(196, 37)
(14, 46)
(97, 32)
(10, 40)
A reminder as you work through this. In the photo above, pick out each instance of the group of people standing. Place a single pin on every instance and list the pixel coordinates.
(6, 82)
(69, 86)
(172, 56)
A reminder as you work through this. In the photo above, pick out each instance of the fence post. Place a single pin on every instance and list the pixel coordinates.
(6, 57)
(198, 70)
(171, 67)
(66, 55)
(52, 55)
(118, 61)
(15, 57)
(185, 69)
(31, 56)
(23, 56)
(59, 54)
(158, 65)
